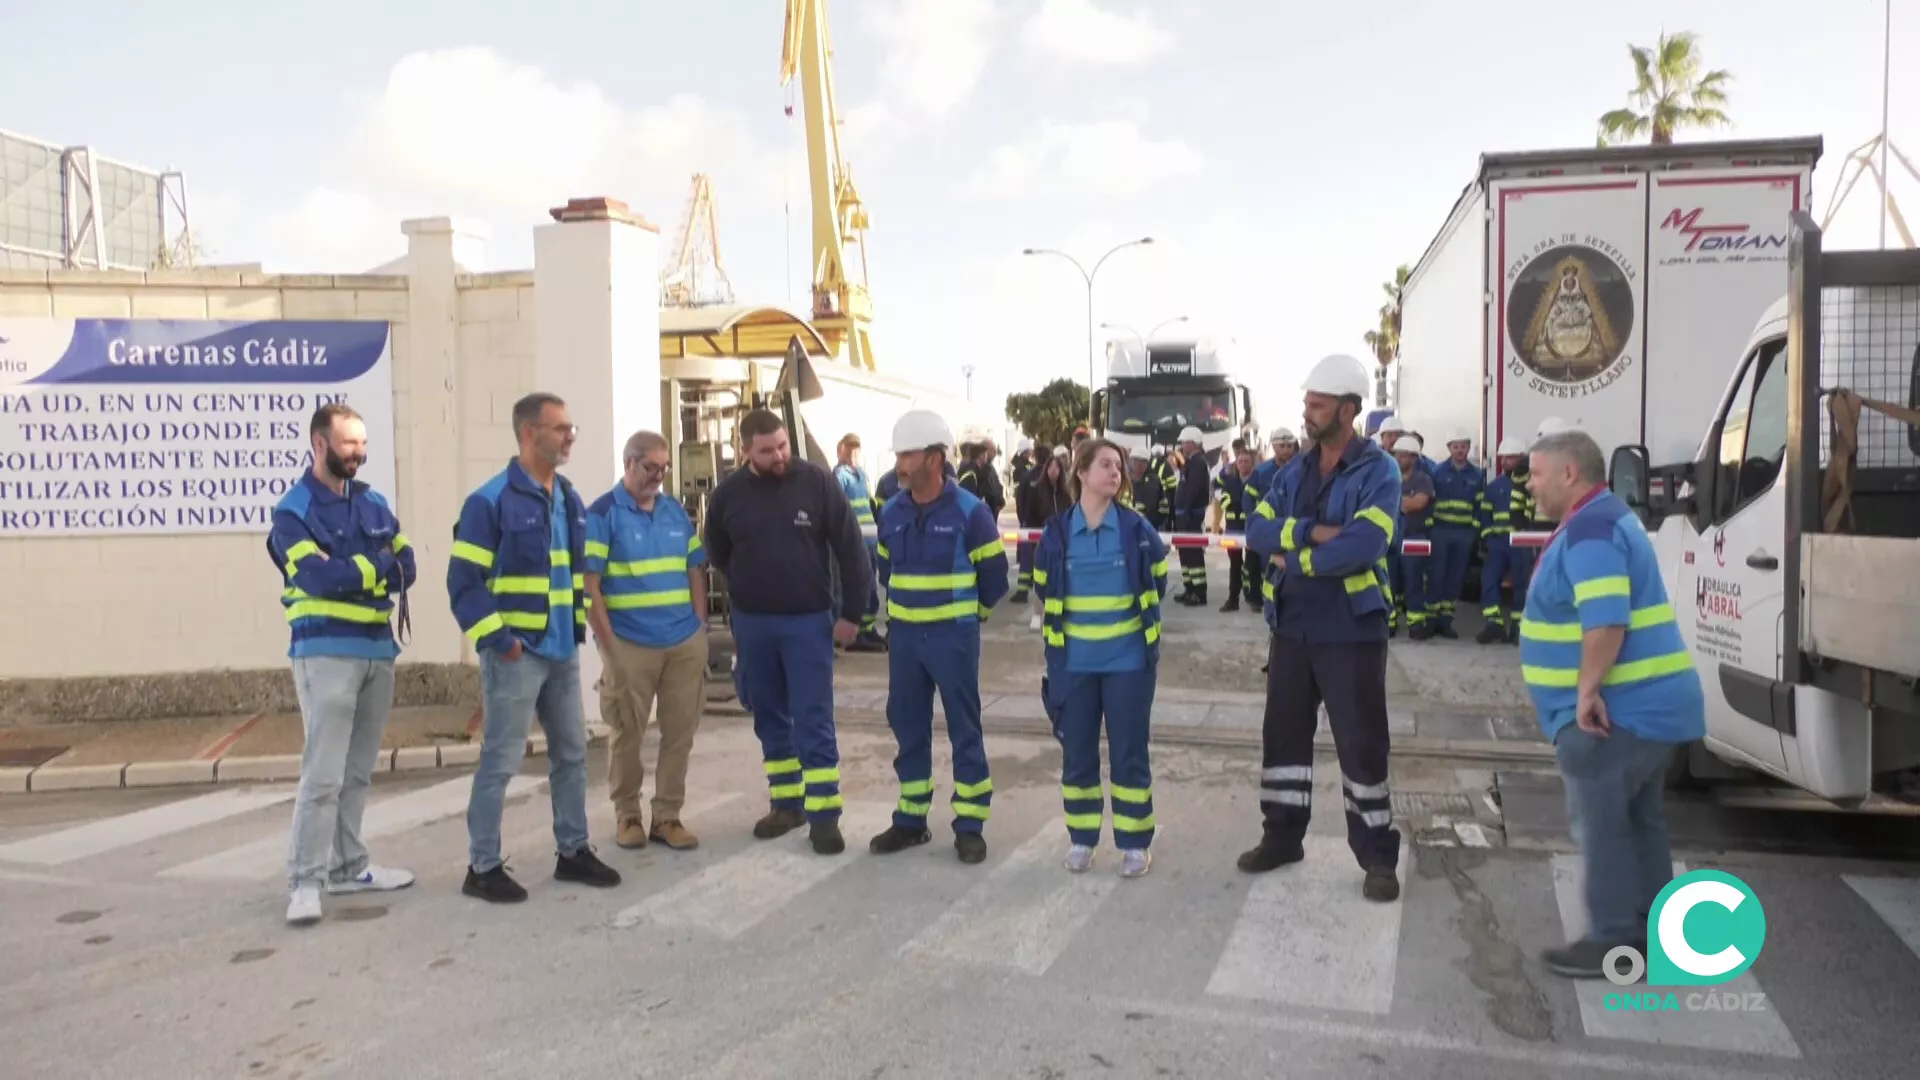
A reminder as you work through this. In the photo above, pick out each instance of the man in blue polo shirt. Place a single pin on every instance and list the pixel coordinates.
(1615, 688)
(646, 584)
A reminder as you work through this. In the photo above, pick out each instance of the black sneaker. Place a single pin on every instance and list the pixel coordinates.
(1232, 604)
(1269, 855)
(825, 837)
(971, 846)
(496, 886)
(1381, 886)
(1581, 960)
(585, 867)
(898, 839)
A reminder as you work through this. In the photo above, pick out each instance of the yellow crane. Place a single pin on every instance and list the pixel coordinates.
(696, 277)
(842, 306)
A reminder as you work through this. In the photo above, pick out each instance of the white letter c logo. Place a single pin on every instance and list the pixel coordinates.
(1673, 921)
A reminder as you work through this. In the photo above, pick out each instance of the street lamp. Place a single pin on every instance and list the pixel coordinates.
(968, 372)
(1088, 275)
(1169, 322)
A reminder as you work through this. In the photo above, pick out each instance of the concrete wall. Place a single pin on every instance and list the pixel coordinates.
(113, 627)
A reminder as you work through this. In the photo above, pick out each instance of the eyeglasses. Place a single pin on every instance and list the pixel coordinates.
(652, 469)
(565, 430)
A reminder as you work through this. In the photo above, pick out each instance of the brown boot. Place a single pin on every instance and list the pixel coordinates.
(673, 834)
(632, 834)
(778, 823)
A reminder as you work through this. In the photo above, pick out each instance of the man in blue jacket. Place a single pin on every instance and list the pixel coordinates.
(516, 580)
(1329, 519)
(343, 561)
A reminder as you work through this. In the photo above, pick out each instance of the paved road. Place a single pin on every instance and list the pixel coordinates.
(143, 938)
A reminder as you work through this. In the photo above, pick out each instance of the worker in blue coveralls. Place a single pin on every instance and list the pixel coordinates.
(1329, 518)
(1505, 507)
(1407, 574)
(1101, 572)
(944, 567)
(853, 481)
(1457, 484)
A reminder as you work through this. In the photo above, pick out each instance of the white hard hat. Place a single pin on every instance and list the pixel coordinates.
(1552, 425)
(1159, 451)
(1511, 446)
(1391, 426)
(920, 429)
(1410, 444)
(1137, 454)
(1338, 375)
(1059, 451)
(1281, 435)
(1023, 445)
(1460, 435)
(1189, 434)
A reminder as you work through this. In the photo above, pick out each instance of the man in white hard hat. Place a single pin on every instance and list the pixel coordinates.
(1191, 497)
(1457, 486)
(853, 482)
(944, 567)
(1407, 574)
(1285, 447)
(1329, 517)
(1162, 472)
(1392, 429)
(1504, 508)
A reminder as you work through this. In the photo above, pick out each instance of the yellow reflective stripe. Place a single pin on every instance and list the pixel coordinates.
(786, 791)
(1361, 582)
(597, 549)
(931, 582)
(1132, 794)
(959, 609)
(1122, 823)
(335, 609)
(665, 565)
(1084, 821)
(1052, 637)
(1158, 569)
(882, 549)
(1306, 562)
(828, 775)
(1653, 667)
(519, 584)
(369, 574)
(1287, 541)
(914, 809)
(1598, 588)
(916, 787)
(1099, 603)
(1378, 517)
(1149, 599)
(1153, 633)
(1069, 792)
(984, 612)
(693, 543)
(486, 626)
(300, 551)
(1564, 633)
(1054, 605)
(473, 553)
(629, 601)
(987, 550)
(972, 810)
(973, 791)
(1040, 576)
(817, 803)
(1104, 632)
(1262, 509)
(522, 620)
(401, 543)
(784, 765)
(559, 597)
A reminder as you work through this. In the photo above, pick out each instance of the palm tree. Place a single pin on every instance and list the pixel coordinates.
(1385, 341)
(1669, 92)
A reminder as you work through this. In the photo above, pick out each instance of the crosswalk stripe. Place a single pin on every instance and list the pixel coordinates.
(732, 896)
(1752, 1031)
(602, 827)
(1305, 937)
(384, 817)
(111, 834)
(1024, 914)
(1895, 900)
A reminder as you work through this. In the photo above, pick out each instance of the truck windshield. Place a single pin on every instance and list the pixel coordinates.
(1162, 413)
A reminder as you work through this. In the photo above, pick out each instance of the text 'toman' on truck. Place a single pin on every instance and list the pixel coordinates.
(1155, 388)
(1609, 288)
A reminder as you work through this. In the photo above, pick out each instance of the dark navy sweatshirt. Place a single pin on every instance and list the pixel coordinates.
(777, 538)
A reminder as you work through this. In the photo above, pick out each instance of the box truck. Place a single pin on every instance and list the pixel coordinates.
(1611, 288)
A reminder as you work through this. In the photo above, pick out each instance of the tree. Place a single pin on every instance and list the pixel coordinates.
(188, 254)
(1670, 92)
(1049, 416)
(1384, 341)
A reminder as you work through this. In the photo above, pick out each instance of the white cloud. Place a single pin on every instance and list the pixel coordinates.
(1110, 157)
(328, 229)
(934, 53)
(1080, 33)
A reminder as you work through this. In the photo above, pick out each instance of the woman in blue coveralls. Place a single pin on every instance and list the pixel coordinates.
(1101, 571)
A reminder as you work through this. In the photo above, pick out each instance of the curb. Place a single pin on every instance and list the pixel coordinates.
(244, 769)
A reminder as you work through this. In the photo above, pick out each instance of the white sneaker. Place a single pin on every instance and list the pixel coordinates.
(303, 905)
(373, 879)
(1079, 858)
(1033, 623)
(1136, 863)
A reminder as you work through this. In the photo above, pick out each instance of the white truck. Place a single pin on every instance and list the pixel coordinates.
(1791, 540)
(1608, 288)
(1156, 388)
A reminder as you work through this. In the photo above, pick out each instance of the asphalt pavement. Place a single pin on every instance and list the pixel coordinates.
(143, 937)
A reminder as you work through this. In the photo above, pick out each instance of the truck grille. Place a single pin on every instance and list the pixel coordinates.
(1870, 343)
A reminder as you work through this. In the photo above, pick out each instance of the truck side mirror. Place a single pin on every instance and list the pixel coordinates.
(1099, 409)
(1629, 477)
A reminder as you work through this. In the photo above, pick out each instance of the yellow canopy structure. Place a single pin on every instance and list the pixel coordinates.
(739, 331)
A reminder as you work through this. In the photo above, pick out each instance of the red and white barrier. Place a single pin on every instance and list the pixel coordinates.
(1239, 543)
(1519, 539)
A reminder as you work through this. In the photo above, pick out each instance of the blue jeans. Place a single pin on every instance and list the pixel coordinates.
(344, 702)
(1615, 810)
(513, 692)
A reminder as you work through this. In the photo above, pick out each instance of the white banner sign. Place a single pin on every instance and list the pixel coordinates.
(114, 427)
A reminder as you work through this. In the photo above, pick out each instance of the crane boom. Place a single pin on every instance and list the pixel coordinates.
(842, 306)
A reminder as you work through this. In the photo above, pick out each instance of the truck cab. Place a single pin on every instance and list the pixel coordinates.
(1796, 577)
(1156, 388)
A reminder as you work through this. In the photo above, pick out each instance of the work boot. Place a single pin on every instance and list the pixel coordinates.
(971, 846)
(1490, 634)
(1019, 597)
(1232, 604)
(778, 823)
(1381, 886)
(673, 834)
(1448, 632)
(898, 839)
(825, 837)
(1269, 854)
(585, 868)
(1513, 634)
(867, 642)
(632, 833)
(496, 886)
(1420, 633)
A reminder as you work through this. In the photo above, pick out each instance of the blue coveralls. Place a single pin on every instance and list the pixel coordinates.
(1101, 590)
(944, 568)
(853, 481)
(1503, 507)
(1328, 617)
(1408, 573)
(1456, 494)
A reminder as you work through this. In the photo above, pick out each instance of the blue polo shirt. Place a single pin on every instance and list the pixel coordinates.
(1103, 628)
(642, 557)
(1601, 570)
(557, 643)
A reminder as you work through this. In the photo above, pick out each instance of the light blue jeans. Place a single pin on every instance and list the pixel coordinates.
(513, 692)
(344, 704)
(1616, 792)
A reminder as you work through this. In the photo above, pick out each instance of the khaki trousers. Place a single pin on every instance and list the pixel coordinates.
(636, 683)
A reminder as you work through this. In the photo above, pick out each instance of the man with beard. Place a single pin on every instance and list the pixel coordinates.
(516, 581)
(944, 567)
(1328, 519)
(773, 528)
(343, 559)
